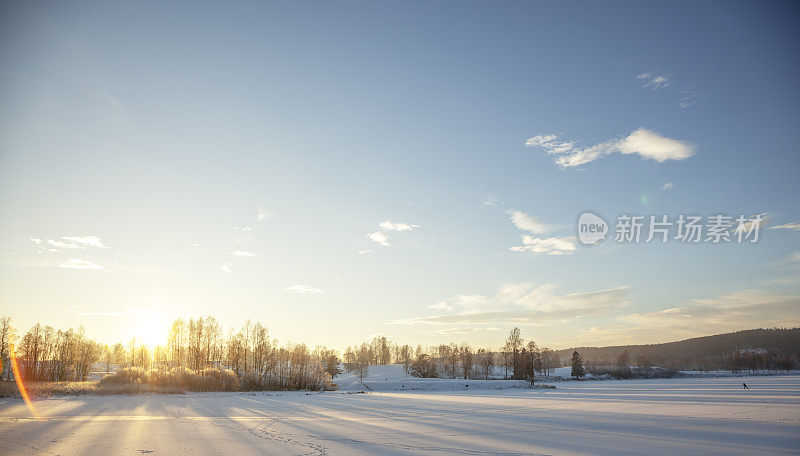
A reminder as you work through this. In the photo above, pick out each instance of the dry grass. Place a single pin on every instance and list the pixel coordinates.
(50, 389)
(137, 381)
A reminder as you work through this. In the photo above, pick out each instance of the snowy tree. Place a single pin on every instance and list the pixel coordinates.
(363, 359)
(513, 342)
(486, 359)
(423, 367)
(466, 361)
(405, 357)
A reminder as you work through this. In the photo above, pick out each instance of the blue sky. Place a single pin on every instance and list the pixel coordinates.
(165, 130)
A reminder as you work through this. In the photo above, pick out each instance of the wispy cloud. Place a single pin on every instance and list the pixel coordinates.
(667, 186)
(654, 79)
(114, 104)
(490, 200)
(302, 289)
(787, 226)
(68, 243)
(381, 238)
(547, 246)
(226, 268)
(263, 214)
(530, 223)
(727, 312)
(397, 226)
(80, 264)
(645, 143)
(527, 304)
(441, 305)
(790, 262)
(242, 253)
(366, 252)
(689, 97)
(85, 241)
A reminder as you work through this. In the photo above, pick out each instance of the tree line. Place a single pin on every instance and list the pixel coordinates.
(246, 358)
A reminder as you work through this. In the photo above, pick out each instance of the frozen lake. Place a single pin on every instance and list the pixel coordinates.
(673, 416)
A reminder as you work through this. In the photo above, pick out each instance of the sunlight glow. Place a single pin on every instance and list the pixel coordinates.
(151, 330)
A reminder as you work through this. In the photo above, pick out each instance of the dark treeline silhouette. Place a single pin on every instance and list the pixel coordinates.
(751, 350)
(199, 356)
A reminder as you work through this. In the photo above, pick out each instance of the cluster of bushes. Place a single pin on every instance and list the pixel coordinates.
(208, 379)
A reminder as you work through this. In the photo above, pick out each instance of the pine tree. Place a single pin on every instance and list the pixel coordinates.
(577, 365)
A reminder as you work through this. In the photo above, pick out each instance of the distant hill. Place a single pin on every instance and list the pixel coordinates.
(786, 341)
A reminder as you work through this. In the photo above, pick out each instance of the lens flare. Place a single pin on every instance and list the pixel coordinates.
(18, 378)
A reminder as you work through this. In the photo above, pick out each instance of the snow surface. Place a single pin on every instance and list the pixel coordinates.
(394, 378)
(637, 417)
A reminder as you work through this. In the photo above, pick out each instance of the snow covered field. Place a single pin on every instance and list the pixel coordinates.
(668, 416)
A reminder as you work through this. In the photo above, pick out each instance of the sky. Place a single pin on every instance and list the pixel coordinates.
(416, 170)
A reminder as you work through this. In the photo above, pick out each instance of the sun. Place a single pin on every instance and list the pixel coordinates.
(151, 330)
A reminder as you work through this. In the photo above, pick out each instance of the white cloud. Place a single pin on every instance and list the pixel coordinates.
(246, 229)
(441, 305)
(649, 144)
(366, 252)
(263, 214)
(302, 289)
(645, 143)
(547, 246)
(88, 241)
(242, 253)
(527, 304)
(529, 223)
(786, 226)
(667, 186)
(68, 243)
(80, 264)
(62, 245)
(380, 238)
(397, 226)
(540, 140)
(226, 268)
(654, 80)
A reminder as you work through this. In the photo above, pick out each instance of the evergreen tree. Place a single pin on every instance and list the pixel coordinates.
(577, 365)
